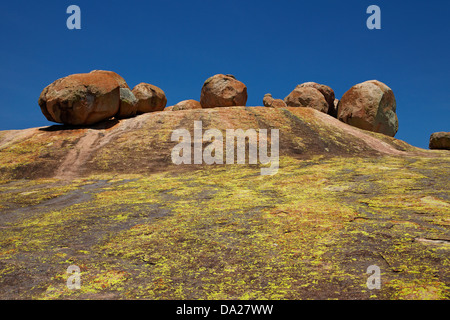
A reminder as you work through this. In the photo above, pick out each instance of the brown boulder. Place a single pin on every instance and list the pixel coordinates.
(307, 97)
(150, 98)
(119, 79)
(81, 99)
(327, 92)
(270, 102)
(128, 104)
(370, 106)
(187, 105)
(440, 140)
(223, 91)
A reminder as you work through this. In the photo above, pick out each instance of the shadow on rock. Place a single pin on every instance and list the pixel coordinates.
(107, 124)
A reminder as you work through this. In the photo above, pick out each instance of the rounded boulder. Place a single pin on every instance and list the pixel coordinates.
(150, 98)
(187, 105)
(327, 92)
(440, 140)
(223, 91)
(370, 106)
(307, 97)
(81, 99)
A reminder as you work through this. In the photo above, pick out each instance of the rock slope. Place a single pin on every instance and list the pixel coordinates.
(143, 144)
(108, 199)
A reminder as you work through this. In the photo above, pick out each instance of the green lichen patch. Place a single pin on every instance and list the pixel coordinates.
(226, 232)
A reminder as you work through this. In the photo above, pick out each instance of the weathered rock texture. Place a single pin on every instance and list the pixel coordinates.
(223, 91)
(81, 99)
(150, 98)
(440, 140)
(370, 106)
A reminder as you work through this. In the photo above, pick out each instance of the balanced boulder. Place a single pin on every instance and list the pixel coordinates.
(307, 97)
(81, 99)
(128, 104)
(223, 91)
(150, 98)
(370, 106)
(440, 140)
(270, 102)
(187, 105)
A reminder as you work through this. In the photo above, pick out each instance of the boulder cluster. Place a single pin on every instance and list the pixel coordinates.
(369, 105)
(88, 98)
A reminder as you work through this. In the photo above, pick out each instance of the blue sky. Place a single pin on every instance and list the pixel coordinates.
(271, 46)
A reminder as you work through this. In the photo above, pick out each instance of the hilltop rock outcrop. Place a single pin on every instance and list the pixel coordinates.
(89, 98)
(150, 98)
(223, 91)
(81, 99)
(270, 102)
(440, 140)
(370, 106)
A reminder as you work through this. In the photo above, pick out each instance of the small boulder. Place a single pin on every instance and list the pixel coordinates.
(370, 106)
(440, 140)
(150, 98)
(270, 102)
(307, 97)
(81, 99)
(223, 91)
(187, 105)
(128, 104)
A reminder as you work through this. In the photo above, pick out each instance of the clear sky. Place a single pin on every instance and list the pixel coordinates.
(269, 45)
